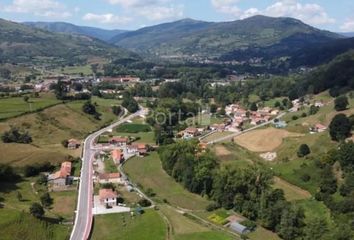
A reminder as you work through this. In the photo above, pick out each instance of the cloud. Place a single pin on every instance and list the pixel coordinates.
(154, 10)
(227, 6)
(107, 18)
(348, 25)
(158, 13)
(44, 8)
(309, 12)
(137, 3)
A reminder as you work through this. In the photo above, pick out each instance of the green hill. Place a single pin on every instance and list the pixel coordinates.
(21, 43)
(63, 27)
(188, 37)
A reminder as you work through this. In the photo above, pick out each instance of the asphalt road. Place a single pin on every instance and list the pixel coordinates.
(83, 219)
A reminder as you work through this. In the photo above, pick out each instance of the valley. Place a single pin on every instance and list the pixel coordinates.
(182, 130)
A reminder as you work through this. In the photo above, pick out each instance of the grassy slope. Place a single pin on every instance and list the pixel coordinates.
(148, 172)
(11, 107)
(48, 128)
(149, 226)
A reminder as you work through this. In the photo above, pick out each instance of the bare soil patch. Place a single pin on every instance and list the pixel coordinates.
(222, 151)
(264, 140)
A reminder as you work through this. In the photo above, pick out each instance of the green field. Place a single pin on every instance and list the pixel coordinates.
(49, 128)
(203, 236)
(133, 128)
(143, 137)
(86, 70)
(148, 226)
(109, 166)
(11, 107)
(204, 120)
(216, 136)
(148, 173)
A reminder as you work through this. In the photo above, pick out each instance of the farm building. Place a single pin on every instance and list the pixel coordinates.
(61, 177)
(239, 228)
(73, 144)
(140, 149)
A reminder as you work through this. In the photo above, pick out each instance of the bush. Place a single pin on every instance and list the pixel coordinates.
(37, 210)
(14, 135)
(249, 224)
(305, 177)
(34, 170)
(212, 206)
(144, 202)
(295, 117)
(340, 127)
(303, 151)
(46, 200)
(341, 103)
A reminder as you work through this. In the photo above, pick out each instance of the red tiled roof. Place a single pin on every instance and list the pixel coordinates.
(107, 193)
(117, 154)
(65, 170)
(320, 126)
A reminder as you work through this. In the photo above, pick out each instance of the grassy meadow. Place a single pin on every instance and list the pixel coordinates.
(15, 106)
(148, 173)
(49, 128)
(148, 226)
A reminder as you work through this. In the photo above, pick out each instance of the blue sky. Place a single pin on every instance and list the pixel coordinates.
(132, 14)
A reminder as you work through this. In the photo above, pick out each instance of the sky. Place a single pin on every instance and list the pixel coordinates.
(334, 15)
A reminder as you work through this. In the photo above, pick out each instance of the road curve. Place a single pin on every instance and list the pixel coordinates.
(83, 219)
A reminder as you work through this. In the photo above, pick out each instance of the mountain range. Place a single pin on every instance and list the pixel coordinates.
(63, 27)
(22, 43)
(255, 37)
(210, 39)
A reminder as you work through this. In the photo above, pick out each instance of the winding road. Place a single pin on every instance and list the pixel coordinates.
(83, 219)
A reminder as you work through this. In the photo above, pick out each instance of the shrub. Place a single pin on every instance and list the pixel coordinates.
(341, 103)
(14, 135)
(303, 150)
(340, 127)
(212, 206)
(37, 210)
(144, 202)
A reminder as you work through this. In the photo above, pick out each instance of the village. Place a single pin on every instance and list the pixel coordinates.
(113, 192)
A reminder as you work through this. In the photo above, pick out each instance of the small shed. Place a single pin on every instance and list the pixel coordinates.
(239, 228)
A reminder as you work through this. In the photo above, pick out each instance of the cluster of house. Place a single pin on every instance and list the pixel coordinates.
(122, 143)
(62, 177)
(298, 104)
(119, 79)
(242, 116)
